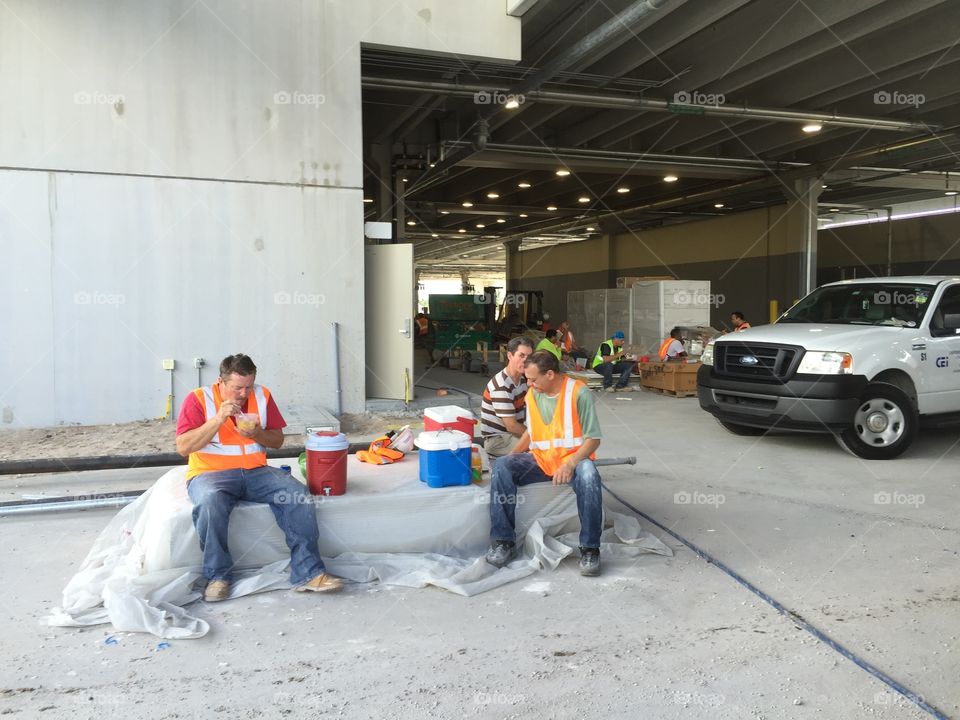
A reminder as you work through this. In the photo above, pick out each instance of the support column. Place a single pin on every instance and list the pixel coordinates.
(514, 266)
(807, 192)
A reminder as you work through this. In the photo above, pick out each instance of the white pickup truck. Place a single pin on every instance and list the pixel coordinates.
(862, 359)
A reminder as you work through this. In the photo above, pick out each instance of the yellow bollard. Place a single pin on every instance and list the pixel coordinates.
(774, 311)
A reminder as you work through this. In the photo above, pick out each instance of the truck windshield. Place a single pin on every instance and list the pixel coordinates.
(863, 304)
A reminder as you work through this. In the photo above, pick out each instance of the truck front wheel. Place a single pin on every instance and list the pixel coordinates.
(883, 425)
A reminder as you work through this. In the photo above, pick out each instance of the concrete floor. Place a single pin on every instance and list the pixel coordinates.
(867, 552)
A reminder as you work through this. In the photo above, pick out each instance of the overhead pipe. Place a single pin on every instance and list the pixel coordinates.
(606, 33)
(623, 102)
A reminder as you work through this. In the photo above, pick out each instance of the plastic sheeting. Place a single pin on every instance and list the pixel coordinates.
(145, 566)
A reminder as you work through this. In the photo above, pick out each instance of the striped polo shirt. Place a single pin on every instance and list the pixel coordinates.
(502, 398)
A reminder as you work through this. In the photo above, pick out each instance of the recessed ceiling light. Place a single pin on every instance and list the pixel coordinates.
(623, 190)
(434, 235)
(583, 199)
(433, 164)
(368, 200)
(824, 187)
(524, 215)
(670, 178)
(467, 203)
(563, 172)
(718, 205)
(591, 229)
(551, 207)
(403, 179)
(512, 104)
(444, 212)
(411, 222)
(461, 230)
(812, 127)
(493, 195)
(501, 220)
(523, 185)
(481, 225)
(950, 192)
(834, 210)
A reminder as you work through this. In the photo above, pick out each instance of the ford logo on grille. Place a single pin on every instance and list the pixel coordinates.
(748, 360)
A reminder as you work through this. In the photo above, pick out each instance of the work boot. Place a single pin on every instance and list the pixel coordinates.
(216, 591)
(589, 561)
(610, 389)
(324, 582)
(500, 553)
(625, 388)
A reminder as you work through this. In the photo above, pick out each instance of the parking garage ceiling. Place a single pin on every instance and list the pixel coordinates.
(613, 99)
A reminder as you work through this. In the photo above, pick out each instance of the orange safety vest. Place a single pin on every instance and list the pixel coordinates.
(567, 342)
(423, 325)
(552, 444)
(743, 326)
(662, 352)
(228, 449)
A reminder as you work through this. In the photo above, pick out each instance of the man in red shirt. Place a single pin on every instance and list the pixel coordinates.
(228, 464)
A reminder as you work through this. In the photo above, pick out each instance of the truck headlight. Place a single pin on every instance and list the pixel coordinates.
(816, 362)
(707, 357)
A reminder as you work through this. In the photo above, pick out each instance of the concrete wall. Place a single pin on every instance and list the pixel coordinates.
(749, 258)
(184, 180)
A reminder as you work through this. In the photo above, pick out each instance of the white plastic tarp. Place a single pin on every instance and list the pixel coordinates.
(145, 567)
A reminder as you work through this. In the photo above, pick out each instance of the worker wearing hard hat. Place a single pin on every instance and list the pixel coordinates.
(609, 361)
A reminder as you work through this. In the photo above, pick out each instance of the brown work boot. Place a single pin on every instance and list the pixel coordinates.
(323, 582)
(216, 591)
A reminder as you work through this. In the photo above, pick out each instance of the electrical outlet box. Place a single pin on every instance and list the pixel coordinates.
(199, 362)
(168, 364)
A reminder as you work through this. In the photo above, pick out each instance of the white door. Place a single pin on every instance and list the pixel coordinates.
(941, 367)
(389, 320)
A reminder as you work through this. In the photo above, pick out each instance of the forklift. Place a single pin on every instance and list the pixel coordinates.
(520, 310)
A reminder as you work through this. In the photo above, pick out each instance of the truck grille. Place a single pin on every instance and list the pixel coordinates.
(756, 360)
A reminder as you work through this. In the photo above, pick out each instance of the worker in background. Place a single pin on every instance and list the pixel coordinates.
(739, 321)
(672, 348)
(559, 446)
(550, 343)
(545, 324)
(609, 361)
(423, 323)
(502, 409)
(568, 344)
(228, 464)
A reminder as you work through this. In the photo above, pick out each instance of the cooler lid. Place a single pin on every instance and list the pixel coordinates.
(327, 441)
(443, 440)
(448, 414)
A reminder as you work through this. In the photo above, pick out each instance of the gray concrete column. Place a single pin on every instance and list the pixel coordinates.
(807, 193)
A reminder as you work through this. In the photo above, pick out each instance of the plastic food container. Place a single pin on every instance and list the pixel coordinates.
(247, 421)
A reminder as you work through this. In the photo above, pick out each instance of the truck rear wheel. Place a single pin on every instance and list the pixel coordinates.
(883, 425)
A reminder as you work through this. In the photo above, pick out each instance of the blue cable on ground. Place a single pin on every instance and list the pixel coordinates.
(819, 634)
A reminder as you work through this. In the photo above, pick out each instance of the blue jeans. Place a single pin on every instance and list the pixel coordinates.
(214, 495)
(512, 471)
(608, 370)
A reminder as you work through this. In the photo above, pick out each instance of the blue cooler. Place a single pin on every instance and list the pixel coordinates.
(444, 457)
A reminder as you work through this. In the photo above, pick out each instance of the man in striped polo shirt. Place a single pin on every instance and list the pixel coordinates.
(503, 411)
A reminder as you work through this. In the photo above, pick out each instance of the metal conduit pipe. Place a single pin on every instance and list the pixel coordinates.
(623, 102)
(602, 36)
